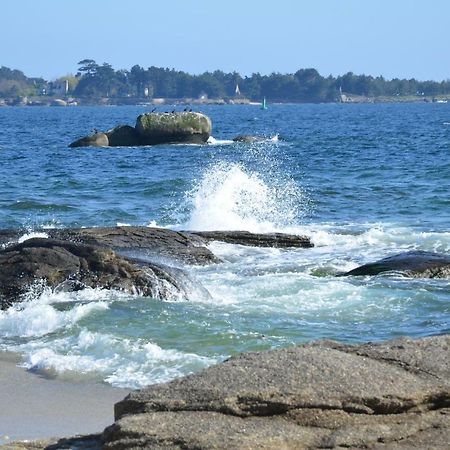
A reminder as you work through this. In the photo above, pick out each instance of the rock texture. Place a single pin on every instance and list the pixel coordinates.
(412, 264)
(393, 395)
(186, 127)
(70, 266)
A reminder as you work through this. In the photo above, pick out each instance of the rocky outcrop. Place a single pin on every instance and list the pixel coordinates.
(275, 240)
(70, 266)
(151, 129)
(184, 127)
(412, 264)
(320, 395)
(132, 259)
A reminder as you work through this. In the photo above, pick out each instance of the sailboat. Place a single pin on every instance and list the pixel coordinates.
(263, 104)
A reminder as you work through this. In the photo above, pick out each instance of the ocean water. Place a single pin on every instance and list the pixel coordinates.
(363, 181)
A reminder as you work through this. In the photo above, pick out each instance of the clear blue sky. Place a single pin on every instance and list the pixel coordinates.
(394, 38)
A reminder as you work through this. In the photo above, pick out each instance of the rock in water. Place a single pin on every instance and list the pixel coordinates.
(182, 127)
(413, 264)
(274, 240)
(93, 140)
(248, 139)
(73, 266)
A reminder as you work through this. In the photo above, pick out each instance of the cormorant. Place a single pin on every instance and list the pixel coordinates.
(173, 111)
(154, 109)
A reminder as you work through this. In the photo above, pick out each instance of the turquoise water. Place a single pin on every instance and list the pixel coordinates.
(364, 181)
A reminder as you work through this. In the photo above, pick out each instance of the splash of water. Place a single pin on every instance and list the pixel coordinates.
(231, 197)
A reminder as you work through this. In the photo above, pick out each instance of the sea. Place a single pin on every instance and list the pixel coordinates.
(363, 181)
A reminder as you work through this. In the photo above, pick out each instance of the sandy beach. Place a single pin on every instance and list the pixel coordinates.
(36, 407)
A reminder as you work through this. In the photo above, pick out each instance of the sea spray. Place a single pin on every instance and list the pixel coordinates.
(229, 196)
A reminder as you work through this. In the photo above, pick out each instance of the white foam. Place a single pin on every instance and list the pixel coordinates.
(120, 362)
(213, 141)
(231, 197)
(38, 317)
(31, 235)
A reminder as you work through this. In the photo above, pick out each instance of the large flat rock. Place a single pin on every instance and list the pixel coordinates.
(320, 395)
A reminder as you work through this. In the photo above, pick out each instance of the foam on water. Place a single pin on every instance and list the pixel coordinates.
(50, 332)
(120, 362)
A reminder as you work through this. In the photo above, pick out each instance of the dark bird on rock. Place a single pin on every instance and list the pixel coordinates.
(154, 109)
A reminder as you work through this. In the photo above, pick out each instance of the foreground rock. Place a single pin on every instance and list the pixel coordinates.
(152, 129)
(70, 266)
(411, 264)
(390, 395)
(321, 395)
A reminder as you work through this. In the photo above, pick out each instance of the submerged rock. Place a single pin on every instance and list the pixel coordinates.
(182, 127)
(321, 395)
(70, 266)
(411, 264)
(249, 139)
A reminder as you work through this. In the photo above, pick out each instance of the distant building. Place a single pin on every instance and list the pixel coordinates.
(60, 87)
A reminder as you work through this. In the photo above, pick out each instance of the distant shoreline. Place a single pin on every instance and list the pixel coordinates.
(73, 101)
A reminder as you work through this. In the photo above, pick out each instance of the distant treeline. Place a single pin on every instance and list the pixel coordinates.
(306, 85)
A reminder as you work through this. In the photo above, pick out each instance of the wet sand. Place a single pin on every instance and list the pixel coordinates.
(35, 407)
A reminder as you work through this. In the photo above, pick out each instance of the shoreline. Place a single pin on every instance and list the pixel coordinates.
(39, 407)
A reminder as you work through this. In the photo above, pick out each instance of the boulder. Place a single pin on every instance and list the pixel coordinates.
(416, 264)
(58, 102)
(325, 394)
(180, 127)
(71, 266)
(93, 140)
(123, 136)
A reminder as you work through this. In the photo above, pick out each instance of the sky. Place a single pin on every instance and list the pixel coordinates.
(393, 38)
